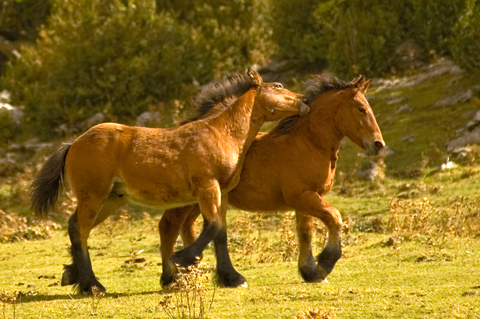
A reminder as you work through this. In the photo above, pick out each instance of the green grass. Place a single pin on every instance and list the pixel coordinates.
(371, 280)
(426, 275)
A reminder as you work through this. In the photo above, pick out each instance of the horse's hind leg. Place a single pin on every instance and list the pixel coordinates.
(306, 263)
(71, 274)
(188, 231)
(169, 228)
(311, 203)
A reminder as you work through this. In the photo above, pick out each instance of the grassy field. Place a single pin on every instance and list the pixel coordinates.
(416, 270)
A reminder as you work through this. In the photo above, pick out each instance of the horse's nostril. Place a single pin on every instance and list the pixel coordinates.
(378, 145)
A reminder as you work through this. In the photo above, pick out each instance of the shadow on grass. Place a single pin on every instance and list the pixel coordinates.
(75, 296)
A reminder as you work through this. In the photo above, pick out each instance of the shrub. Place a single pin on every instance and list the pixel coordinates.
(302, 38)
(237, 32)
(367, 34)
(19, 20)
(466, 44)
(431, 23)
(105, 56)
(352, 36)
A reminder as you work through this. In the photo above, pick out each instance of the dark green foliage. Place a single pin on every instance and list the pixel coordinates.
(353, 36)
(105, 56)
(20, 19)
(302, 37)
(430, 23)
(233, 30)
(367, 34)
(466, 40)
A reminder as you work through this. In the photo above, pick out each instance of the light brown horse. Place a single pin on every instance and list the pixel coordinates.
(292, 168)
(197, 162)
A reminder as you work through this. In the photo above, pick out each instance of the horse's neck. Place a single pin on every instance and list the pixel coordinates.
(320, 133)
(240, 121)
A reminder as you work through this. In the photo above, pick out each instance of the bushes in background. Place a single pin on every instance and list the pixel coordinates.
(103, 56)
(466, 41)
(123, 57)
(364, 36)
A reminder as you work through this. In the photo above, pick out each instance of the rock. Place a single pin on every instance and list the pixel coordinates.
(461, 97)
(94, 120)
(435, 69)
(370, 171)
(396, 100)
(9, 164)
(463, 156)
(469, 138)
(148, 119)
(403, 109)
(448, 165)
(474, 122)
(410, 138)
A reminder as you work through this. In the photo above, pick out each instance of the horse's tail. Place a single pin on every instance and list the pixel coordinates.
(49, 181)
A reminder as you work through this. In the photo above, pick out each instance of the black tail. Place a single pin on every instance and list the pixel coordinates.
(49, 181)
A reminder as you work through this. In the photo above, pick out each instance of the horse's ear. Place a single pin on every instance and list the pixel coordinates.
(364, 86)
(254, 76)
(356, 83)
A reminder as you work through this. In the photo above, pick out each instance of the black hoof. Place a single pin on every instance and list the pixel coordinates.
(169, 274)
(230, 279)
(185, 258)
(70, 275)
(327, 260)
(311, 274)
(91, 288)
(166, 280)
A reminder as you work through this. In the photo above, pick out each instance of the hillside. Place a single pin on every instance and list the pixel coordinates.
(419, 115)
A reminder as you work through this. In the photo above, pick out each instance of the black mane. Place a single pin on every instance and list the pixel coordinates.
(315, 86)
(216, 92)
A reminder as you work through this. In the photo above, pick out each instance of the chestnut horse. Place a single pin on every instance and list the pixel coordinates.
(292, 168)
(197, 162)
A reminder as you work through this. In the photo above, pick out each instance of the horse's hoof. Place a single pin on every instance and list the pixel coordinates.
(323, 273)
(310, 274)
(92, 289)
(231, 280)
(166, 280)
(184, 258)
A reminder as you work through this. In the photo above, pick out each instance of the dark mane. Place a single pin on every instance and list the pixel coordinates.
(216, 92)
(315, 86)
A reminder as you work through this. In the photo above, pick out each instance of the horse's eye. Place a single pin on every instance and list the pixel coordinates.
(362, 110)
(278, 86)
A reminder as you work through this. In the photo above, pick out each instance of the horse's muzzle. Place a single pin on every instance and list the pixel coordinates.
(374, 148)
(304, 109)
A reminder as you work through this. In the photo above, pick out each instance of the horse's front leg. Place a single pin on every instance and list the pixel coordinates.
(169, 228)
(209, 201)
(227, 276)
(311, 203)
(306, 263)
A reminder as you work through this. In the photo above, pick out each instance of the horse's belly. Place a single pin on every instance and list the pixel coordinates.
(160, 197)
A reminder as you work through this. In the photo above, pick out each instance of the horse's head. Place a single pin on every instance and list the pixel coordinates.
(275, 101)
(356, 120)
